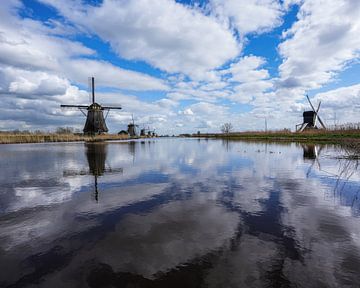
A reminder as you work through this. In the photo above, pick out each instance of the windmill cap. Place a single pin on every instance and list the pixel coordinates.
(95, 106)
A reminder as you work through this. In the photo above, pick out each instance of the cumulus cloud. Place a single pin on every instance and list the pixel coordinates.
(188, 111)
(29, 45)
(109, 75)
(197, 53)
(248, 78)
(204, 115)
(169, 35)
(341, 103)
(31, 83)
(247, 69)
(321, 43)
(342, 97)
(39, 67)
(254, 16)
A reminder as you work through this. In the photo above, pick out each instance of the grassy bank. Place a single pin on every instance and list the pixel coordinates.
(333, 136)
(8, 137)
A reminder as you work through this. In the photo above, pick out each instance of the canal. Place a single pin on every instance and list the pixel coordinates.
(179, 213)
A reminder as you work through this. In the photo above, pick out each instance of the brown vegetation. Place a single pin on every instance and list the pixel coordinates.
(40, 137)
(337, 136)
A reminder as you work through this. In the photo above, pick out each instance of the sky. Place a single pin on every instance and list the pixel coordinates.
(179, 66)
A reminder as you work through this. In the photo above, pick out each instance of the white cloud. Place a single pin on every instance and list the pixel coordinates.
(249, 16)
(38, 65)
(167, 103)
(164, 33)
(321, 43)
(339, 104)
(188, 111)
(30, 84)
(344, 97)
(247, 69)
(249, 80)
(109, 75)
(204, 108)
(40, 62)
(30, 45)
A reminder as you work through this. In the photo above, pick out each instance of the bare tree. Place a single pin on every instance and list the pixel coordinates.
(226, 128)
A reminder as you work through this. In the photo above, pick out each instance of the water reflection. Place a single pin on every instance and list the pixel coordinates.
(344, 178)
(310, 151)
(96, 154)
(182, 213)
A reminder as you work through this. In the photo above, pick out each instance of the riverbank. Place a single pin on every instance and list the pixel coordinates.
(16, 138)
(329, 136)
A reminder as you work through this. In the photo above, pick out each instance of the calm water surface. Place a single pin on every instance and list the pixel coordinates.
(178, 213)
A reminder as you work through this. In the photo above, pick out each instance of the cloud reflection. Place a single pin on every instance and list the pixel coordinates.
(254, 207)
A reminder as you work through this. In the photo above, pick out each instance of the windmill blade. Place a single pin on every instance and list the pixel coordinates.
(307, 96)
(93, 89)
(303, 127)
(113, 170)
(310, 169)
(89, 88)
(321, 122)
(315, 118)
(111, 107)
(317, 110)
(74, 106)
(72, 173)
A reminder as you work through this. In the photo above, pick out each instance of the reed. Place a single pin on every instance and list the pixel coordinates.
(9, 137)
(335, 135)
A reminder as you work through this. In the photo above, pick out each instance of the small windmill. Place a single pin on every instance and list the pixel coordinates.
(310, 118)
(147, 132)
(95, 120)
(132, 127)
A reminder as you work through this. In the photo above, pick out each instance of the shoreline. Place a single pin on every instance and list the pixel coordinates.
(331, 137)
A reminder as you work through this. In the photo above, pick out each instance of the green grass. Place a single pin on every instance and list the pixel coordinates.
(334, 136)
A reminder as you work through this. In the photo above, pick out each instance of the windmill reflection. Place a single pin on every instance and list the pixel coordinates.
(344, 188)
(96, 154)
(311, 153)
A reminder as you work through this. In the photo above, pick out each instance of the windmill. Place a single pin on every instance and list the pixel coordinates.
(147, 132)
(310, 118)
(95, 120)
(153, 134)
(132, 127)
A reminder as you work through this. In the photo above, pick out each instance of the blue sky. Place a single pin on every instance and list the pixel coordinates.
(179, 66)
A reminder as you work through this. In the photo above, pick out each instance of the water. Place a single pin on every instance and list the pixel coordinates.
(179, 213)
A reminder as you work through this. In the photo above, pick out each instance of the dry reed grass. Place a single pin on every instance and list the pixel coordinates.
(342, 135)
(9, 138)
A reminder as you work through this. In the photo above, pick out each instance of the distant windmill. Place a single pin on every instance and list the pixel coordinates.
(310, 118)
(132, 127)
(95, 120)
(147, 132)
